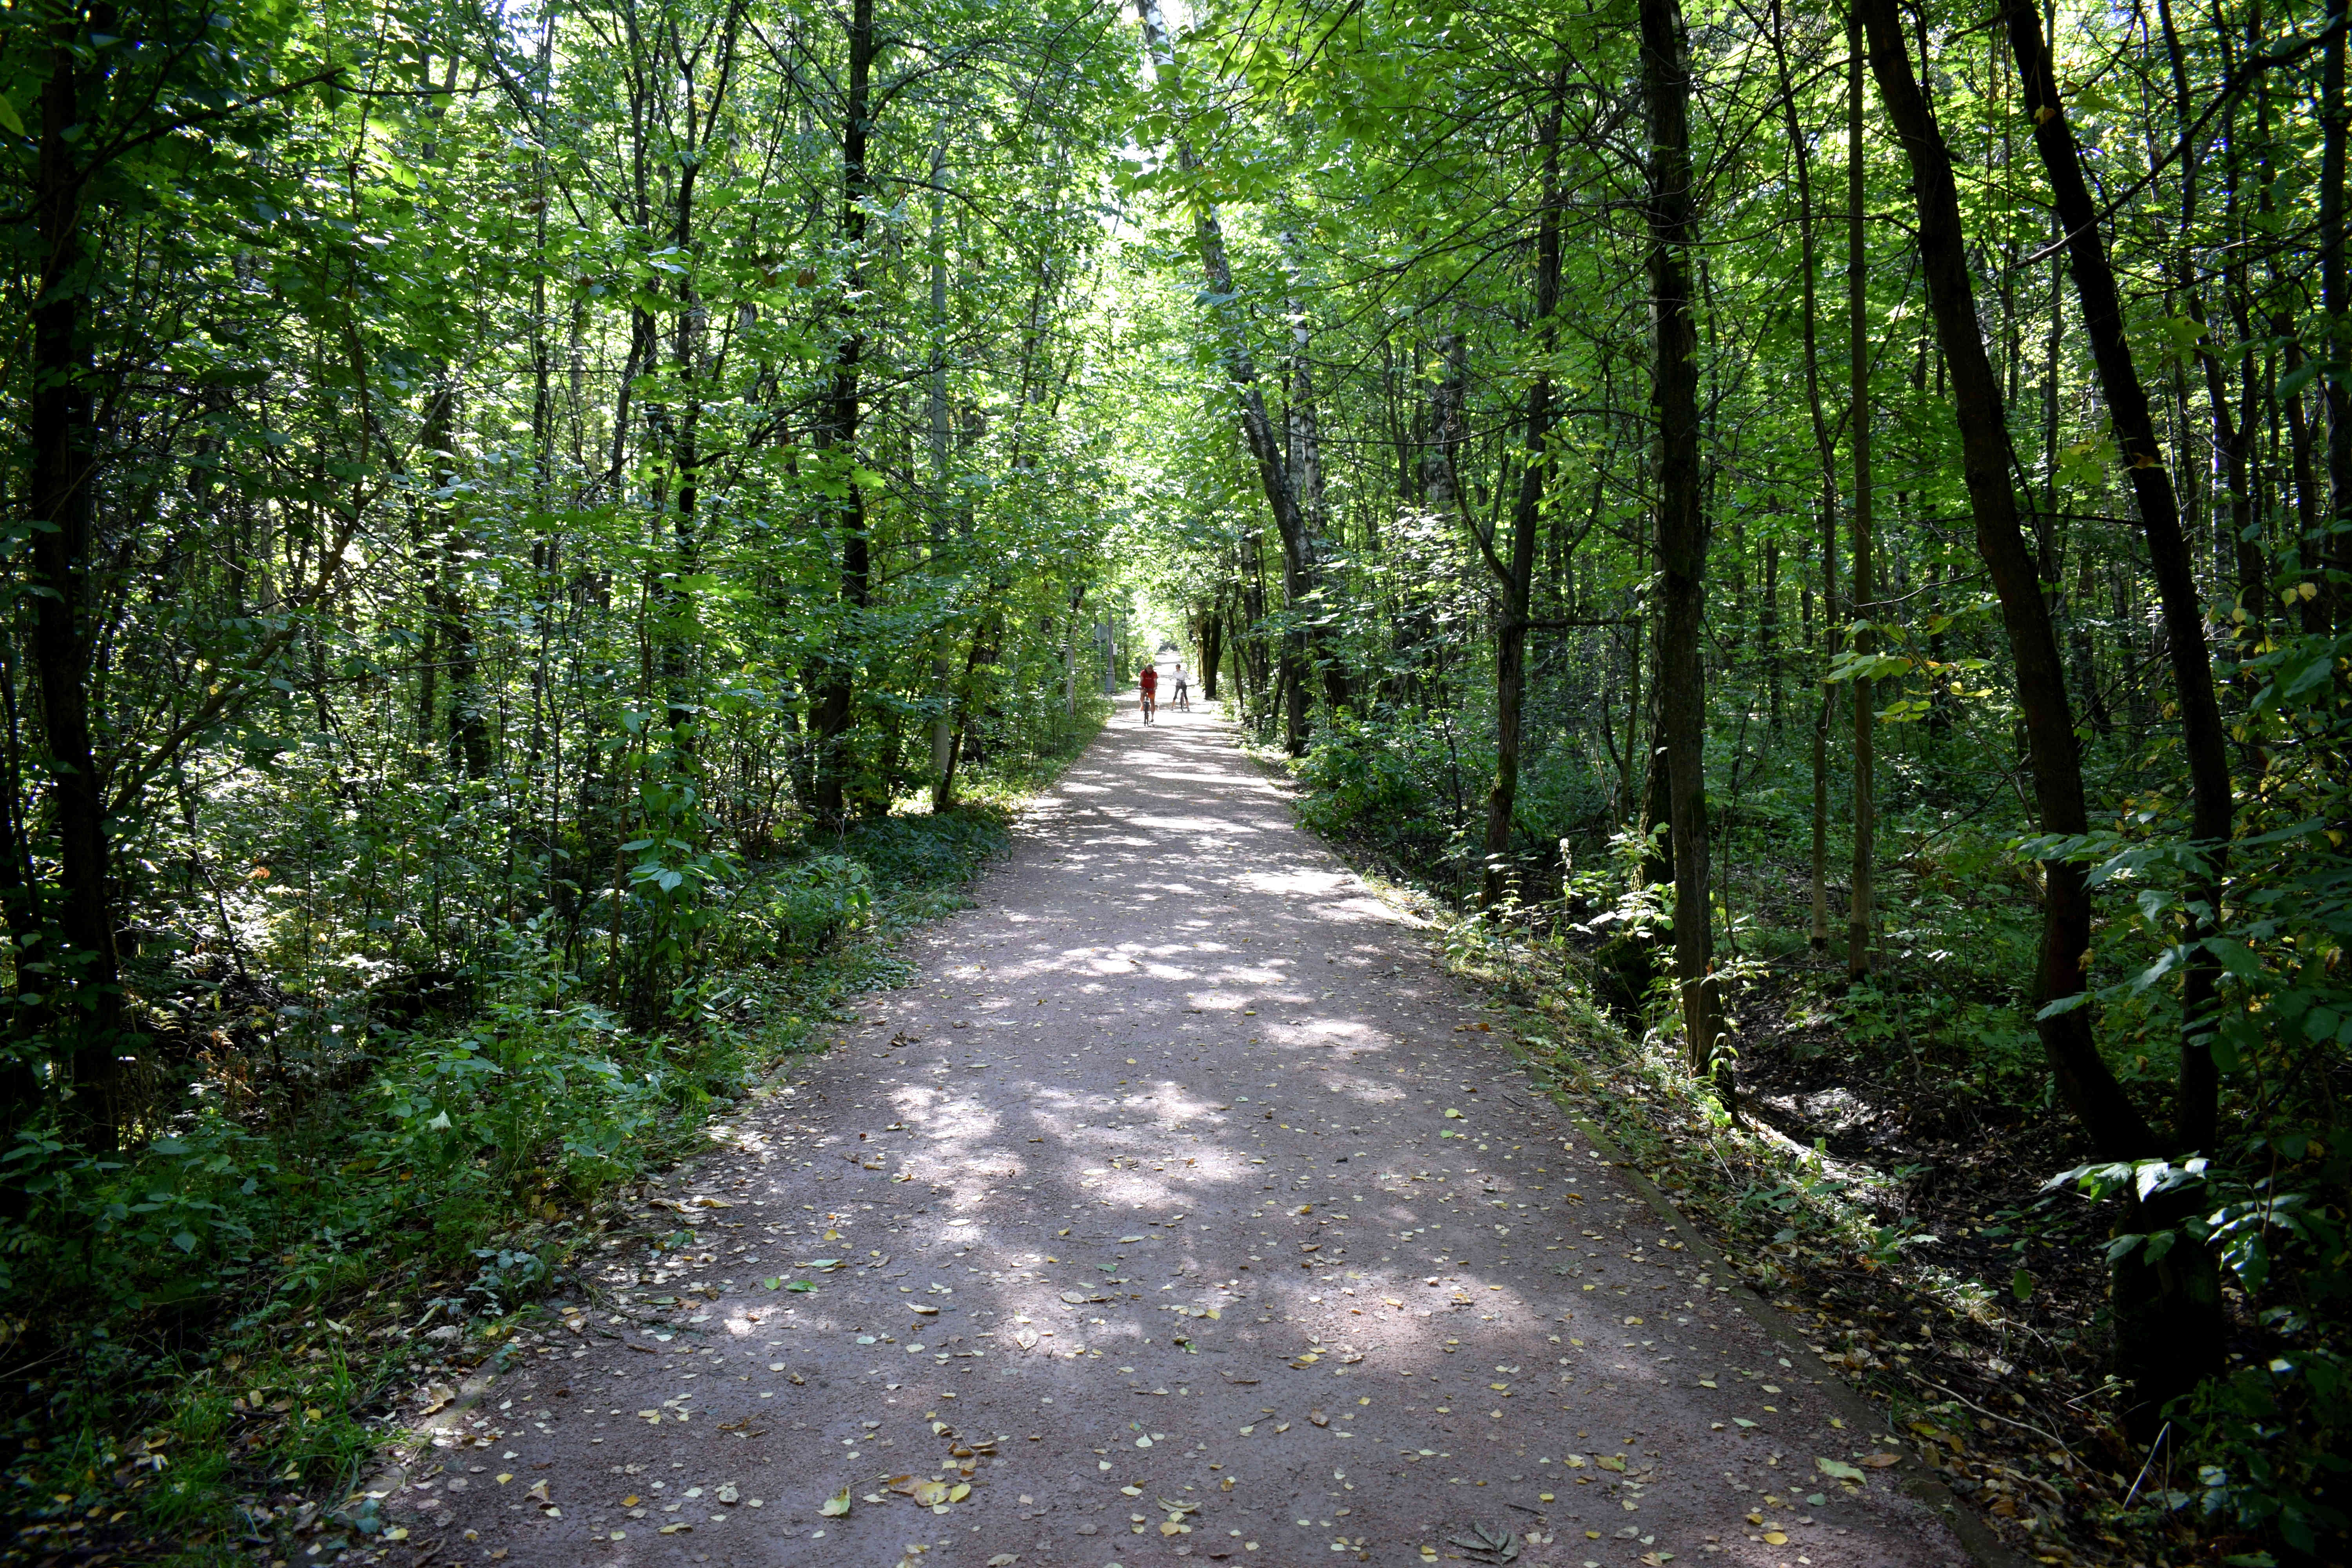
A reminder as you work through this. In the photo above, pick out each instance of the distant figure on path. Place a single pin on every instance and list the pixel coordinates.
(1183, 703)
(1149, 681)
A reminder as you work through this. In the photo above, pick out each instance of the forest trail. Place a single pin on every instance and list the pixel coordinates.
(1181, 1212)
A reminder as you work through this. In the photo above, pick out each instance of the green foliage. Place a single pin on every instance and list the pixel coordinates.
(1368, 777)
(457, 1169)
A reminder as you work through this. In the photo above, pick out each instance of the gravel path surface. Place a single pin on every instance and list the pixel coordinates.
(1181, 1209)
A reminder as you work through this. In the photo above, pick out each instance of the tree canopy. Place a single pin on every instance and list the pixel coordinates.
(527, 522)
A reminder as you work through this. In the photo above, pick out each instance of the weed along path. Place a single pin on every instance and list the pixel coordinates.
(1179, 1209)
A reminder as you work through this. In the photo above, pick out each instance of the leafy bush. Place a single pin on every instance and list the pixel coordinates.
(1357, 772)
(793, 910)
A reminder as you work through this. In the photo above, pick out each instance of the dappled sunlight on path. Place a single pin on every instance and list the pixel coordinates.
(1181, 1208)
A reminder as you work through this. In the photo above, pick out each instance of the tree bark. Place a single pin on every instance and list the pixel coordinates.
(2084, 1080)
(1865, 581)
(2169, 1331)
(2335, 299)
(2203, 738)
(1266, 446)
(1682, 522)
(86, 978)
(1304, 465)
(1213, 640)
(1515, 576)
(943, 722)
(830, 719)
(1825, 454)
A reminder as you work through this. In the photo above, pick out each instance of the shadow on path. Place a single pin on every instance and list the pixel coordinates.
(1180, 1209)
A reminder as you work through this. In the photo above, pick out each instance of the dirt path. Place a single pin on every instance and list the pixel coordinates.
(1181, 1211)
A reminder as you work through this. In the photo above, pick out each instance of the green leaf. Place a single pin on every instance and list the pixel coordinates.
(1837, 1470)
(2021, 1284)
(8, 117)
(2301, 376)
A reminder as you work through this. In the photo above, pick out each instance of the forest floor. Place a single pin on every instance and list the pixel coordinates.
(242, 1389)
(1178, 1120)
(1899, 1223)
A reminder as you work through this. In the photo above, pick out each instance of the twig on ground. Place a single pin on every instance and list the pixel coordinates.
(2021, 1426)
(2161, 1432)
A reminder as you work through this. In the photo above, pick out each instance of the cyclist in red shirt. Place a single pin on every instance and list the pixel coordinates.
(1149, 681)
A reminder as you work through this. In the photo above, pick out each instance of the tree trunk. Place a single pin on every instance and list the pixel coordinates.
(1303, 436)
(2333, 301)
(1824, 714)
(832, 714)
(1515, 576)
(1213, 642)
(87, 976)
(1299, 547)
(2206, 743)
(943, 722)
(1825, 455)
(1682, 523)
(1865, 582)
(2084, 1080)
(2171, 1313)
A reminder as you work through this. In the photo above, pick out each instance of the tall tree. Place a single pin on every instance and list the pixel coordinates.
(1513, 574)
(1682, 525)
(2084, 1079)
(1865, 583)
(2172, 1309)
(830, 719)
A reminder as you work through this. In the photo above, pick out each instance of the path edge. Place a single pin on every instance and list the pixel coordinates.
(1919, 1484)
(387, 1475)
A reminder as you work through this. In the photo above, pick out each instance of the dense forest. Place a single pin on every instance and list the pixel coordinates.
(538, 536)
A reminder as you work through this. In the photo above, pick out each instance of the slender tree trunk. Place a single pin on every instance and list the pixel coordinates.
(465, 735)
(62, 460)
(1825, 715)
(20, 904)
(943, 724)
(833, 714)
(1515, 575)
(1825, 455)
(2084, 1082)
(1299, 548)
(1304, 463)
(2169, 1325)
(2335, 299)
(2211, 808)
(1682, 522)
(1858, 914)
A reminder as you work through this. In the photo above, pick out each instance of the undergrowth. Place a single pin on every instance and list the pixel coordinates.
(1979, 1328)
(201, 1333)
